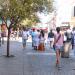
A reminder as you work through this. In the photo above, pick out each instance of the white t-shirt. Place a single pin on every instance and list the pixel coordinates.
(24, 35)
(42, 40)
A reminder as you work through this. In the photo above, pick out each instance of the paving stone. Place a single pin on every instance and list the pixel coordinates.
(30, 62)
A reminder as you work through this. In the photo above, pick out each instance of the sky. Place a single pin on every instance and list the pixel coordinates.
(44, 18)
(64, 10)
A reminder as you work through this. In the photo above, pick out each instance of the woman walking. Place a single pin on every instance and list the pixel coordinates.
(41, 46)
(58, 44)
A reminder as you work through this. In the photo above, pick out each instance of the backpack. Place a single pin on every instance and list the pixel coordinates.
(69, 36)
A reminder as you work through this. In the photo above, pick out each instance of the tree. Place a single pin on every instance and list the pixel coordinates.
(25, 8)
(18, 10)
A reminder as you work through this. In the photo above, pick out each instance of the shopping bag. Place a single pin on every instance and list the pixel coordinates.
(41, 47)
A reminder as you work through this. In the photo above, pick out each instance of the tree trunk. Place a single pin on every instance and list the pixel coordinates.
(8, 42)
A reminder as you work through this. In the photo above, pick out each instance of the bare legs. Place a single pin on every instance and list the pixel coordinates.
(57, 57)
(51, 44)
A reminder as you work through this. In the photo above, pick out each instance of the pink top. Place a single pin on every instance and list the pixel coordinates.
(61, 39)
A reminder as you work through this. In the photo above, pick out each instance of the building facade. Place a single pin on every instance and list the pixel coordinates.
(65, 12)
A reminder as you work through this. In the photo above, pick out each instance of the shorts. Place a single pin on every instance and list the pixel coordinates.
(51, 39)
(61, 48)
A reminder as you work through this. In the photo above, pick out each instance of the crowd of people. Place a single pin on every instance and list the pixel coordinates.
(56, 38)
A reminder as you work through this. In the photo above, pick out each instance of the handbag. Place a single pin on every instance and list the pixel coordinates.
(41, 47)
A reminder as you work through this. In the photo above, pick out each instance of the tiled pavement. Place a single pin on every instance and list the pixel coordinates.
(30, 62)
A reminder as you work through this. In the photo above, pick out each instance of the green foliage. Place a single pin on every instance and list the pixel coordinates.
(24, 9)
